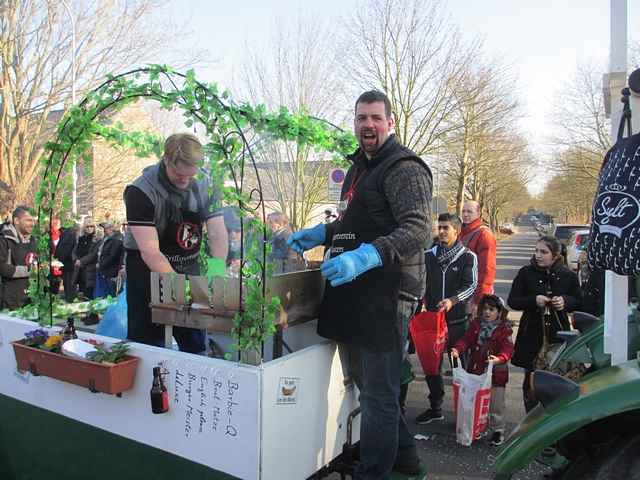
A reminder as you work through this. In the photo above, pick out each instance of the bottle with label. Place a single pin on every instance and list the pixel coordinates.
(69, 331)
(159, 394)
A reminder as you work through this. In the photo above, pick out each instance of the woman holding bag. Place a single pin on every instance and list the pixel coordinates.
(545, 291)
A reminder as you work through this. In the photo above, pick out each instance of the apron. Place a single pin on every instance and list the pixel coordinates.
(180, 243)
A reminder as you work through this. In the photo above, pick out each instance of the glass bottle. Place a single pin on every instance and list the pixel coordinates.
(69, 331)
(159, 394)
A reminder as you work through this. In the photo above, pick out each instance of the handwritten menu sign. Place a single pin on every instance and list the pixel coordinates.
(207, 401)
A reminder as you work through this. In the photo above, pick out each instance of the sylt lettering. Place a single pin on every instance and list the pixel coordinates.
(606, 213)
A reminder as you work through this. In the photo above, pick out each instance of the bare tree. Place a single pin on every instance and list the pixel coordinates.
(295, 69)
(567, 200)
(485, 113)
(35, 67)
(583, 130)
(500, 174)
(408, 49)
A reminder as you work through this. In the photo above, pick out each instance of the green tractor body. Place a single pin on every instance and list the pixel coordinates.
(581, 426)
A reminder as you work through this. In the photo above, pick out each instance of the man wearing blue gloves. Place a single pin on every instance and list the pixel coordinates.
(375, 278)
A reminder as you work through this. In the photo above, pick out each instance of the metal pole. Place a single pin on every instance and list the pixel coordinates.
(616, 286)
(74, 173)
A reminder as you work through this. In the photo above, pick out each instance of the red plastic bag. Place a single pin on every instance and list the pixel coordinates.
(429, 334)
(471, 401)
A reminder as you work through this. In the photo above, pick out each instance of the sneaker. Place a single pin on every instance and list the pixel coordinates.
(411, 468)
(429, 416)
(497, 439)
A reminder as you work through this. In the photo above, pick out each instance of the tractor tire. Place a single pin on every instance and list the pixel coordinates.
(621, 461)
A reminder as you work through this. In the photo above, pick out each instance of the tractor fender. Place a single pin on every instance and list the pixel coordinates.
(606, 392)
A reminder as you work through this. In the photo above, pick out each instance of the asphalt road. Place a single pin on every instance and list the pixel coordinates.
(444, 458)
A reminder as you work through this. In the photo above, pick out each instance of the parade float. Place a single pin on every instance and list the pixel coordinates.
(274, 404)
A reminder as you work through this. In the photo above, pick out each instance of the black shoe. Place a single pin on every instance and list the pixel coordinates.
(429, 416)
(91, 319)
(411, 468)
(497, 439)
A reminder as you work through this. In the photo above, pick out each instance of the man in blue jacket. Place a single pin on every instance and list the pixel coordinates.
(452, 278)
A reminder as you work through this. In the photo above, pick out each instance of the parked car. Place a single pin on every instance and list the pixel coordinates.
(583, 267)
(506, 228)
(562, 231)
(576, 244)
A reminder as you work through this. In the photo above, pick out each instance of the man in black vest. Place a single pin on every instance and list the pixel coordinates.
(375, 278)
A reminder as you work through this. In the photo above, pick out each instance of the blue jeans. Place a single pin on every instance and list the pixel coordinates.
(384, 435)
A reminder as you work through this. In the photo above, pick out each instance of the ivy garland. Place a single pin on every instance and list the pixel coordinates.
(226, 124)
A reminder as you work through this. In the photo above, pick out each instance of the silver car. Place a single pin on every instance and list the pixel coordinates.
(576, 244)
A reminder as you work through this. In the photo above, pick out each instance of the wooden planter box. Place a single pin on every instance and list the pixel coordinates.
(112, 378)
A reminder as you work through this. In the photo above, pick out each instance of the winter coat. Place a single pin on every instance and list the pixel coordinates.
(87, 252)
(16, 257)
(66, 245)
(458, 281)
(480, 240)
(110, 255)
(530, 282)
(499, 344)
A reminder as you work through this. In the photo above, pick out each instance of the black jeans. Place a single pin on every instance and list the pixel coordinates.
(384, 435)
(69, 277)
(139, 326)
(436, 382)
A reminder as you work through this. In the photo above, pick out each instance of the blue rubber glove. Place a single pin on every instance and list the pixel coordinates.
(303, 240)
(348, 265)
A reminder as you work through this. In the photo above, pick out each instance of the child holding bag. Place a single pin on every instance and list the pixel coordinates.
(488, 338)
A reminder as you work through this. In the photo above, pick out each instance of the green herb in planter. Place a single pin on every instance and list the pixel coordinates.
(115, 354)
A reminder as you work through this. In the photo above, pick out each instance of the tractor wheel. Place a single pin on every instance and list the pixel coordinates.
(622, 461)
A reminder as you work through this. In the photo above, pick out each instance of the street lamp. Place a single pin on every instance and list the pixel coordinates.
(74, 173)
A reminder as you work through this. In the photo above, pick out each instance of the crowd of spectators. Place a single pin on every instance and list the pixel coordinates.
(87, 258)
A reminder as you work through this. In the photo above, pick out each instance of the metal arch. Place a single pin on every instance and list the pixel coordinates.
(202, 93)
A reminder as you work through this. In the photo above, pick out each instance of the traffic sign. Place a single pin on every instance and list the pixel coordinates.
(336, 180)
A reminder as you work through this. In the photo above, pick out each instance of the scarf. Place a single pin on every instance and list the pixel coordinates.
(486, 330)
(178, 199)
(445, 256)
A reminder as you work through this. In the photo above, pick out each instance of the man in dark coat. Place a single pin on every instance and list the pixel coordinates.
(86, 256)
(64, 253)
(375, 279)
(17, 256)
(452, 279)
(110, 255)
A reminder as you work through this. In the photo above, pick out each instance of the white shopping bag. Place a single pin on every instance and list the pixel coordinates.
(471, 399)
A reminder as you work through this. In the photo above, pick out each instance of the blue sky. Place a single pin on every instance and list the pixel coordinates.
(543, 40)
